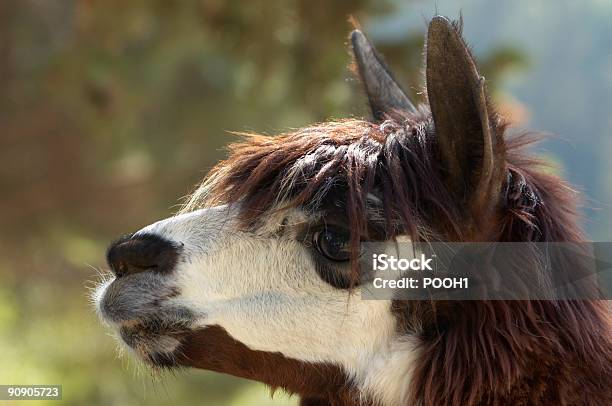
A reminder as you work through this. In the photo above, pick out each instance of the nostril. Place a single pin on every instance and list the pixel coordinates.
(122, 267)
(142, 252)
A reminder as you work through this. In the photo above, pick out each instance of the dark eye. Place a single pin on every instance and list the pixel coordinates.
(333, 243)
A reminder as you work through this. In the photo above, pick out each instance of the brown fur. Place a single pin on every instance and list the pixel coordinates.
(317, 384)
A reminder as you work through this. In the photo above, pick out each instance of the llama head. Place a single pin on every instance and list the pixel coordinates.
(254, 278)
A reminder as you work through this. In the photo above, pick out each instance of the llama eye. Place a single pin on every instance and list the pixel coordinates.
(333, 243)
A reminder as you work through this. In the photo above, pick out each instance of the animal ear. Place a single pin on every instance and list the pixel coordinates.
(470, 151)
(384, 93)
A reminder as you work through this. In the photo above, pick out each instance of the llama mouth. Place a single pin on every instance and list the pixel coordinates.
(141, 297)
(155, 341)
(141, 309)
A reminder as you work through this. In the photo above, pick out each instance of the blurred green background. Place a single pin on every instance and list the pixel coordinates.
(111, 111)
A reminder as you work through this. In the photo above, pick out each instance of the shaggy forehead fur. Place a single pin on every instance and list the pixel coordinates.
(348, 160)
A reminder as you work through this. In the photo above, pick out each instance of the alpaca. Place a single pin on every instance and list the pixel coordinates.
(256, 276)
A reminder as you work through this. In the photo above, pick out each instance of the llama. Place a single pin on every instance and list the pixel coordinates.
(256, 276)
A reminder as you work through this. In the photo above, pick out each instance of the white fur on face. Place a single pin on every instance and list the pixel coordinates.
(263, 289)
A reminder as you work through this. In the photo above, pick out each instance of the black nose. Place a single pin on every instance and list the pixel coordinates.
(139, 253)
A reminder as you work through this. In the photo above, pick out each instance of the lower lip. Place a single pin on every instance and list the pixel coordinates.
(155, 346)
